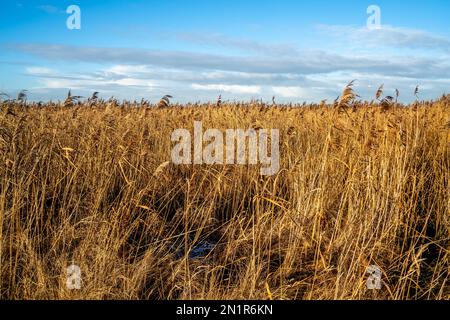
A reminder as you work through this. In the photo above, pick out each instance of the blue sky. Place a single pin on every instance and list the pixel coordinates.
(197, 49)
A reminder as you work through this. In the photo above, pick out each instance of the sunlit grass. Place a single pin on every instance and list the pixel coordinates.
(89, 184)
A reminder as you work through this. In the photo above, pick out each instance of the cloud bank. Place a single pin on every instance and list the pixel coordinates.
(252, 69)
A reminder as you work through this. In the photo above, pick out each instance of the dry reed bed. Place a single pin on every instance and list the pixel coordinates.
(365, 186)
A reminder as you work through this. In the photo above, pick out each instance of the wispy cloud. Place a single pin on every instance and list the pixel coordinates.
(290, 92)
(389, 36)
(309, 62)
(228, 88)
(246, 45)
(188, 51)
(49, 9)
(39, 71)
(56, 80)
(264, 69)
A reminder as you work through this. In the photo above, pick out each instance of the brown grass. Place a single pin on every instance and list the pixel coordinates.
(91, 185)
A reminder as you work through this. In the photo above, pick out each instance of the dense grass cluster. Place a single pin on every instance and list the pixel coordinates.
(90, 184)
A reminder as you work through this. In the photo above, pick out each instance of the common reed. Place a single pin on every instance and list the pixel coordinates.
(94, 186)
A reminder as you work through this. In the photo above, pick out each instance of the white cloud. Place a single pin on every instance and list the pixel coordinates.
(59, 84)
(49, 9)
(241, 44)
(55, 80)
(134, 82)
(228, 88)
(127, 69)
(266, 70)
(308, 62)
(38, 70)
(290, 92)
(389, 36)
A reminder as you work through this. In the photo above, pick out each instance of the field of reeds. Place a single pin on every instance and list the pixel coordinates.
(91, 184)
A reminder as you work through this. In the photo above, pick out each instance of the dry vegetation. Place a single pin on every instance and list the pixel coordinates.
(89, 183)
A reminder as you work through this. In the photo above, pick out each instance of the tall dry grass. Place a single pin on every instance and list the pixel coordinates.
(91, 185)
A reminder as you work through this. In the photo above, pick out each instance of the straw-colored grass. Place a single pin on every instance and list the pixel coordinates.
(90, 185)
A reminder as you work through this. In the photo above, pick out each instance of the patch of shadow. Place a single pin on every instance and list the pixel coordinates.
(199, 250)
